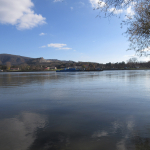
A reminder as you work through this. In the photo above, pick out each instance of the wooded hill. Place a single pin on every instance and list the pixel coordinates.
(8, 61)
(18, 60)
(13, 59)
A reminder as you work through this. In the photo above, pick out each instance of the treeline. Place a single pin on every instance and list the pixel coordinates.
(45, 66)
(132, 63)
(128, 65)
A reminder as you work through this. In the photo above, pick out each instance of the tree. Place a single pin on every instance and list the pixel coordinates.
(92, 66)
(138, 23)
(8, 65)
(139, 28)
(24, 67)
(83, 66)
(132, 60)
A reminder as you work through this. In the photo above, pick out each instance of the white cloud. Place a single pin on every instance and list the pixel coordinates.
(146, 49)
(57, 1)
(116, 11)
(71, 8)
(59, 46)
(42, 34)
(65, 48)
(20, 14)
(56, 45)
(130, 11)
(144, 59)
(96, 3)
(42, 46)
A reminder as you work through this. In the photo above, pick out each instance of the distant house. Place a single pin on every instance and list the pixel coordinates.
(69, 67)
(47, 68)
(86, 66)
(14, 69)
(1, 70)
(53, 67)
(78, 67)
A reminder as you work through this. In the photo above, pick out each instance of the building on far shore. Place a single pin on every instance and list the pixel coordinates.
(1, 70)
(14, 69)
(53, 67)
(48, 68)
(78, 67)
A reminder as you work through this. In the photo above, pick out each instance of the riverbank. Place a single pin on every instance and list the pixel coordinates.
(78, 71)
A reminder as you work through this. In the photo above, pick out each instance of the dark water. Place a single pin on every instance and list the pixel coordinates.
(107, 110)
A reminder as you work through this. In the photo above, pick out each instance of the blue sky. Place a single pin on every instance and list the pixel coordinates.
(67, 30)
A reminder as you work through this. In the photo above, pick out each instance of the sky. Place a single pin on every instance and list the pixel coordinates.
(64, 30)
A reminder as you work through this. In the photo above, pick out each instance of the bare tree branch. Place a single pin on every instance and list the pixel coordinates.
(138, 24)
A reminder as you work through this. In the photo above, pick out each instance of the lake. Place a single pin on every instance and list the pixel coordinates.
(106, 110)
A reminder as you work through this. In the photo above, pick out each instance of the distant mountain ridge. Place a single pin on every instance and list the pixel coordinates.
(13, 59)
(17, 60)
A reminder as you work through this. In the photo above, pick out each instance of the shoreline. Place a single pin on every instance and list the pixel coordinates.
(77, 71)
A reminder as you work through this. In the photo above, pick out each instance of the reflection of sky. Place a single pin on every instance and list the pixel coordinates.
(55, 86)
(23, 132)
(18, 133)
(125, 128)
(92, 110)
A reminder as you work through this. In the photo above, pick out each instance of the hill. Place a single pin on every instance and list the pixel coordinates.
(14, 59)
(18, 60)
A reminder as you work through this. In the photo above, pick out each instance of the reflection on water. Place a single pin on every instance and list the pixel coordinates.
(18, 133)
(75, 111)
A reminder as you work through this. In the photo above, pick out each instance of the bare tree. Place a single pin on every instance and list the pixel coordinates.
(138, 24)
(138, 29)
(132, 60)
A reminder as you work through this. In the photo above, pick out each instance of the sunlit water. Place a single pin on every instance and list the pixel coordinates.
(108, 110)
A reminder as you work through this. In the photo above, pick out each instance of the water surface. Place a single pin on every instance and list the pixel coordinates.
(75, 111)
